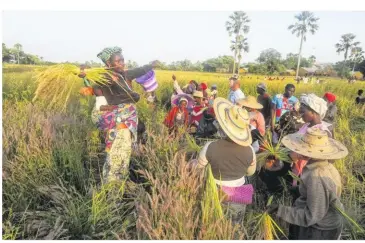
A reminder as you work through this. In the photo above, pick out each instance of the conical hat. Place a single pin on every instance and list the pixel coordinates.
(233, 120)
(315, 144)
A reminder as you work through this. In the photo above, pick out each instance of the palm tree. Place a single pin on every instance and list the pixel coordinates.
(357, 56)
(18, 48)
(238, 47)
(346, 43)
(312, 59)
(237, 26)
(306, 22)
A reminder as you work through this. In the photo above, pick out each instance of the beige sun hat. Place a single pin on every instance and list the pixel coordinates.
(233, 120)
(250, 102)
(315, 144)
(198, 94)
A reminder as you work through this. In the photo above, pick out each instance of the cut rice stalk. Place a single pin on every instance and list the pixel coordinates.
(56, 83)
(351, 221)
(211, 205)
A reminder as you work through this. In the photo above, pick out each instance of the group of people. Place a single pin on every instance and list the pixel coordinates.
(238, 126)
(304, 126)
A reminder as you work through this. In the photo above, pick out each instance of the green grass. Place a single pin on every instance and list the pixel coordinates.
(52, 160)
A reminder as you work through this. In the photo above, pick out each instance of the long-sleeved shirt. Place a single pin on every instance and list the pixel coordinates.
(331, 113)
(321, 188)
(177, 88)
(120, 91)
(233, 96)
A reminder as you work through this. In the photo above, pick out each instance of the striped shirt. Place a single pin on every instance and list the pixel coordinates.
(320, 189)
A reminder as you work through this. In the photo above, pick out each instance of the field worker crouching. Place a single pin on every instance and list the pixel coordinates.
(231, 158)
(313, 215)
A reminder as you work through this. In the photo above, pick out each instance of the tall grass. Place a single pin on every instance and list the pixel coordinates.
(52, 161)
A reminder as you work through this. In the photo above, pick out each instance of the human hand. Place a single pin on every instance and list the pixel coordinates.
(273, 208)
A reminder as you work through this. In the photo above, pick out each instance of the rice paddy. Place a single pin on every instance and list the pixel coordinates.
(53, 157)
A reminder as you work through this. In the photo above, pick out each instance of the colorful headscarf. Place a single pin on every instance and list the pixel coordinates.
(330, 97)
(107, 52)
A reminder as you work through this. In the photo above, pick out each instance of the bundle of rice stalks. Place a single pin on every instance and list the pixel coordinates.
(191, 145)
(56, 83)
(211, 204)
(267, 226)
(272, 152)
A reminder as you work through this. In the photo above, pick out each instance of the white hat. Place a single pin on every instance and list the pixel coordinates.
(316, 103)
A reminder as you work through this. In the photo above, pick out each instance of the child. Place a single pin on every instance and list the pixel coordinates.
(100, 101)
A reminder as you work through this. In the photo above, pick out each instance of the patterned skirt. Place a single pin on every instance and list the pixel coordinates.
(119, 128)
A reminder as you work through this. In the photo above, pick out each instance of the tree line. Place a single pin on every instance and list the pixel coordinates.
(270, 62)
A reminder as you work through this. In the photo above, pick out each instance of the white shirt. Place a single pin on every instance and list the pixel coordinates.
(100, 100)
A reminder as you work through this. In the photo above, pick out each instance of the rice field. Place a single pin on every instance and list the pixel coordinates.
(52, 161)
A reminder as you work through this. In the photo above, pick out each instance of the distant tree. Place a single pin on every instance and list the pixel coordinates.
(7, 55)
(312, 59)
(291, 61)
(237, 26)
(346, 44)
(257, 68)
(18, 49)
(357, 56)
(239, 47)
(361, 67)
(272, 59)
(132, 64)
(306, 22)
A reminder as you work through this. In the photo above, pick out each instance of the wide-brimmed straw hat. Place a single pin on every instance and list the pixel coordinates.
(198, 94)
(233, 120)
(315, 144)
(249, 102)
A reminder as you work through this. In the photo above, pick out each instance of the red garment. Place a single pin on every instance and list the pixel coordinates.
(170, 118)
(197, 114)
(330, 97)
(203, 86)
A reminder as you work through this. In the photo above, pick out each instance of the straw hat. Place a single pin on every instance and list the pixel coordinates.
(249, 102)
(198, 94)
(315, 144)
(233, 120)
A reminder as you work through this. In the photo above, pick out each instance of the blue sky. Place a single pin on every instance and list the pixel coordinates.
(169, 36)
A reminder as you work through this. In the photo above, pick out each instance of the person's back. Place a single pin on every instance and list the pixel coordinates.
(324, 175)
(229, 161)
(265, 101)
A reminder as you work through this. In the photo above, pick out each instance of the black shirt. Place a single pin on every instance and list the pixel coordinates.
(265, 101)
(119, 92)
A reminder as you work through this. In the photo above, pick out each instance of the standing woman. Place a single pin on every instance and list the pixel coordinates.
(313, 216)
(118, 119)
